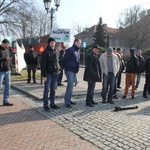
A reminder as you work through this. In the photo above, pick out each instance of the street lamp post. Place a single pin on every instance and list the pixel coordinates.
(47, 4)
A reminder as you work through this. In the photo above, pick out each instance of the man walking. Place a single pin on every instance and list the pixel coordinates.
(109, 63)
(71, 67)
(31, 59)
(5, 71)
(50, 70)
(92, 74)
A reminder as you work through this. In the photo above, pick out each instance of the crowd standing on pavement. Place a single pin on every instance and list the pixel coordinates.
(106, 68)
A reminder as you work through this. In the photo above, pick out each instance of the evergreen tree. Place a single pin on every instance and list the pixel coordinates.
(100, 37)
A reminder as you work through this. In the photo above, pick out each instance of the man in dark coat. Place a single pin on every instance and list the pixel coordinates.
(31, 59)
(50, 69)
(92, 74)
(147, 77)
(71, 67)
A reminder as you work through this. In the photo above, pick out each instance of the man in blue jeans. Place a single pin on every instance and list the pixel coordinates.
(71, 67)
(50, 70)
(5, 71)
(110, 64)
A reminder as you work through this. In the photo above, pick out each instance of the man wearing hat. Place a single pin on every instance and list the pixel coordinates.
(31, 59)
(110, 65)
(50, 69)
(92, 74)
(131, 70)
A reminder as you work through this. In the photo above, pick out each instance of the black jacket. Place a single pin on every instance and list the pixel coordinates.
(141, 64)
(147, 65)
(31, 58)
(92, 69)
(132, 64)
(4, 64)
(50, 61)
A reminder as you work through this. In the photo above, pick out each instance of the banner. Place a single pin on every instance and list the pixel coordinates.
(19, 58)
(61, 35)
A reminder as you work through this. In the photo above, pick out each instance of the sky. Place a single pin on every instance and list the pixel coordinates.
(86, 13)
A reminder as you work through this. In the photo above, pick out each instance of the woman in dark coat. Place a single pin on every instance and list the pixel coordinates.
(92, 74)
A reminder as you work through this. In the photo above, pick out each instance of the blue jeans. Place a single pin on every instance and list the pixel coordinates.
(50, 85)
(70, 81)
(138, 77)
(108, 81)
(90, 92)
(7, 82)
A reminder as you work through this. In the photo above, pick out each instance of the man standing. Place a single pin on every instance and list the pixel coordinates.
(50, 70)
(131, 69)
(5, 71)
(147, 77)
(140, 68)
(71, 66)
(92, 74)
(109, 63)
(31, 59)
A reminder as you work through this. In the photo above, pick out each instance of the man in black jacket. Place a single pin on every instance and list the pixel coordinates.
(50, 69)
(92, 74)
(31, 59)
(147, 77)
(131, 70)
(5, 70)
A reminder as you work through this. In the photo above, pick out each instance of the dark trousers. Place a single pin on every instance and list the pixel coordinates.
(119, 80)
(90, 92)
(60, 77)
(33, 69)
(147, 84)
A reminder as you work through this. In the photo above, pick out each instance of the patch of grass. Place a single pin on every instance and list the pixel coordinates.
(23, 75)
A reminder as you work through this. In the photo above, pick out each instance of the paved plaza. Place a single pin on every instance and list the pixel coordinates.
(99, 127)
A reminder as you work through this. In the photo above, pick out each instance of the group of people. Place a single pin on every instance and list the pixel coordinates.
(106, 68)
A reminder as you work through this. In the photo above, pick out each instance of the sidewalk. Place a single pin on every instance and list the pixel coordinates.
(23, 128)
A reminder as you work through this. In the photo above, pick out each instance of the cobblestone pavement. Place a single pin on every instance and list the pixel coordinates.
(23, 128)
(100, 125)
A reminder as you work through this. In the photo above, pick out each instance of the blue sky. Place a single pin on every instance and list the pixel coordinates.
(87, 12)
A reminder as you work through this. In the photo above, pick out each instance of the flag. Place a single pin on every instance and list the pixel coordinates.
(19, 58)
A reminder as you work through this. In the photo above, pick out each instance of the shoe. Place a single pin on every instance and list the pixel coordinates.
(72, 103)
(76, 83)
(46, 108)
(115, 97)
(132, 97)
(103, 100)
(124, 97)
(119, 87)
(35, 82)
(60, 84)
(28, 81)
(7, 104)
(65, 81)
(94, 103)
(89, 105)
(145, 96)
(68, 106)
(110, 101)
(54, 106)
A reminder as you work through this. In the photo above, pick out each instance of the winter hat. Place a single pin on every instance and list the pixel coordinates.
(109, 50)
(132, 50)
(96, 46)
(30, 46)
(50, 40)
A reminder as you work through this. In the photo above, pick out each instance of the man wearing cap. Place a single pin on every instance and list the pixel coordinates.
(131, 70)
(71, 67)
(5, 71)
(92, 74)
(31, 59)
(109, 63)
(50, 69)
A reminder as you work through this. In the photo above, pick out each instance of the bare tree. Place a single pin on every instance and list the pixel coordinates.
(135, 25)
